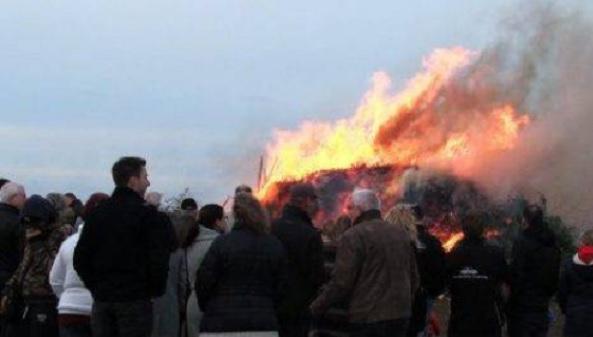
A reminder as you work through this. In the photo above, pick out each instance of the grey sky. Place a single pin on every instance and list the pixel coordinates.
(197, 86)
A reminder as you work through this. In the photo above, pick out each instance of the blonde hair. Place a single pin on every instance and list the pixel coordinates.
(403, 216)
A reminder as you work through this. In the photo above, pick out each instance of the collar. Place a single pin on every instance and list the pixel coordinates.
(293, 211)
(9, 208)
(373, 214)
(127, 193)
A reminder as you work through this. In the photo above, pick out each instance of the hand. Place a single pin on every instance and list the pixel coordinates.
(32, 232)
(3, 305)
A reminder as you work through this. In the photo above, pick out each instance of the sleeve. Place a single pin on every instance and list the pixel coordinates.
(347, 267)
(282, 281)
(208, 275)
(414, 275)
(564, 288)
(314, 261)
(12, 283)
(83, 255)
(57, 273)
(516, 273)
(159, 248)
(182, 284)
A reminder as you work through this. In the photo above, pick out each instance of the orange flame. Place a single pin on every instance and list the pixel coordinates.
(422, 125)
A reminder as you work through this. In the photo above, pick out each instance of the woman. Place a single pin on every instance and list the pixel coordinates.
(200, 237)
(240, 280)
(75, 300)
(576, 290)
(29, 303)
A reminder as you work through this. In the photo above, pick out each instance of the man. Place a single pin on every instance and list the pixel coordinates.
(304, 250)
(3, 181)
(12, 200)
(122, 255)
(535, 269)
(190, 206)
(243, 189)
(476, 272)
(375, 271)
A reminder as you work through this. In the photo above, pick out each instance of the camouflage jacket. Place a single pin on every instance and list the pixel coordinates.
(35, 266)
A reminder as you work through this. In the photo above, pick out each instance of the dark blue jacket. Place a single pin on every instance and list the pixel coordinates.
(239, 283)
(11, 242)
(575, 296)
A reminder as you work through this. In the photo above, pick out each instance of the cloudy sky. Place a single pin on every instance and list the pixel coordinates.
(197, 86)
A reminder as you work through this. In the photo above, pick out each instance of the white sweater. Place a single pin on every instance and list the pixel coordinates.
(75, 299)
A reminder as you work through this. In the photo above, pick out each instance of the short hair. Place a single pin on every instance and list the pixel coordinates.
(3, 181)
(71, 196)
(9, 190)
(154, 198)
(366, 200)
(209, 214)
(472, 225)
(189, 204)
(534, 216)
(586, 238)
(243, 189)
(302, 191)
(57, 200)
(126, 168)
(250, 214)
(403, 216)
(94, 200)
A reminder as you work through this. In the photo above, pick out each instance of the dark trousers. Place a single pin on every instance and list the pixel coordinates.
(122, 319)
(392, 328)
(294, 327)
(76, 330)
(529, 324)
(40, 320)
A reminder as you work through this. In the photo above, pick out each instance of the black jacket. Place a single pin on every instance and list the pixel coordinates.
(575, 297)
(535, 269)
(11, 242)
(304, 250)
(476, 272)
(239, 283)
(123, 250)
(431, 263)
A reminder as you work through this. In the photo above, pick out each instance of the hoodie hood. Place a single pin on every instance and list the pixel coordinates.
(206, 234)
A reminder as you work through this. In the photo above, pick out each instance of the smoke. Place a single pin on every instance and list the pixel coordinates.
(544, 63)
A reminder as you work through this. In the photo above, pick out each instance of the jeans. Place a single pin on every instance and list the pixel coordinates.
(295, 327)
(392, 328)
(529, 324)
(122, 319)
(40, 320)
(76, 330)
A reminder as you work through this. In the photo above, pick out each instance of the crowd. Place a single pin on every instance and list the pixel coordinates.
(120, 266)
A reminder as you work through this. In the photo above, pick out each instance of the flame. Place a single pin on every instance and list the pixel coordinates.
(452, 241)
(428, 123)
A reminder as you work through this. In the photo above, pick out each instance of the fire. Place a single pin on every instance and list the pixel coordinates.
(438, 120)
(452, 241)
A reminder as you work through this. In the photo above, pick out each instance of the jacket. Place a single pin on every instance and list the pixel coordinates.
(194, 255)
(240, 281)
(304, 250)
(166, 308)
(74, 297)
(375, 270)
(535, 269)
(431, 263)
(123, 252)
(476, 272)
(11, 242)
(575, 296)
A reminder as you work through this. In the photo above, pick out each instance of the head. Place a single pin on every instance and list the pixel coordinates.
(250, 214)
(472, 225)
(533, 217)
(3, 181)
(70, 199)
(334, 231)
(13, 194)
(91, 204)
(212, 216)
(38, 216)
(586, 238)
(57, 200)
(362, 200)
(304, 196)
(243, 189)
(403, 216)
(131, 172)
(154, 199)
(186, 227)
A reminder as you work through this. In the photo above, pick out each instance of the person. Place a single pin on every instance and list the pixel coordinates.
(66, 215)
(303, 245)
(3, 181)
(535, 269)
(75, 300)
(191, 206)
(122, 255)
(77, 207)
(476, 272)
(243, 189)
(12, 200)
(28, 300)
(375, 272)
(198, 241)
(575, 293)
(239, 284)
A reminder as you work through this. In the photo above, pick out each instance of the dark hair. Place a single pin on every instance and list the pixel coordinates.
(209, 214)
(473, 226)
(534, 216)
(189, 204)
(243, 189)
(3, 181)
(250, 214)
(125, 168)
(71, 195)
(182, 220)
(94, 200)
(418, 212)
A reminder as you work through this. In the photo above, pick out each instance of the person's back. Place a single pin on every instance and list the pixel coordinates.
(476, 272)
(12, 197)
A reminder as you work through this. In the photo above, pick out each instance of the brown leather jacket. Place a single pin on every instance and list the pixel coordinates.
(375, 271)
